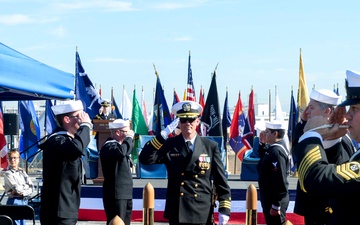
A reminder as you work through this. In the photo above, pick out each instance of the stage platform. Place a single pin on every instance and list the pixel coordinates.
(92, 212)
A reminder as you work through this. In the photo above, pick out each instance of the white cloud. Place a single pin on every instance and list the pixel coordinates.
(59, 32)
(106, 5)
(110, 60)
(15, 19)
(184, 38)
(177, 5)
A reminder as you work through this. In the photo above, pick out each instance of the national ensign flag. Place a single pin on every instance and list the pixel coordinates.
(236, 130)
(190, 84)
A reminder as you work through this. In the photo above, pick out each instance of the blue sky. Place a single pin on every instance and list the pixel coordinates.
(256, 43)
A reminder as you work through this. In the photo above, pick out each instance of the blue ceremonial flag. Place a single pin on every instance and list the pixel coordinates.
(85, 90)
(50, 121)
(161, 114)
(114, 108)
(30, 129)
(226, 119)
(293, 118)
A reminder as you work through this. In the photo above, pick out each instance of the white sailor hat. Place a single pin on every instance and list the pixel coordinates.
(352, 85)
(325, 96)
(67, 107)
(275, 125)
(118, 124)
(187, 109)
(105, 103)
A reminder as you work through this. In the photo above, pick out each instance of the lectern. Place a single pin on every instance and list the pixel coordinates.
(101, 127)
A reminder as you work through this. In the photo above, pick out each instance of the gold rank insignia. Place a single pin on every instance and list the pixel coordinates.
(348, 171)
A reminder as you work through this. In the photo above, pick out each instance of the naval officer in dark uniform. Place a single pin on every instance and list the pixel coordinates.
(340, 183)
(115, 160)
(62, 166)
(105, 112)
(194, 166)
(339, 150)
(274, 168)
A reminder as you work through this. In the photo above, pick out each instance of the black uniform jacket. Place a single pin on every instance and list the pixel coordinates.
(189, 189)
(62, 172)
(273, 170)
(336, 182)
(304, 203)
(115, 163)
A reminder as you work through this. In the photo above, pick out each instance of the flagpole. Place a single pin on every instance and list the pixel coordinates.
(269, 105)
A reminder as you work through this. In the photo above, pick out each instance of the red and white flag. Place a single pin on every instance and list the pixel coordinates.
(3, 146)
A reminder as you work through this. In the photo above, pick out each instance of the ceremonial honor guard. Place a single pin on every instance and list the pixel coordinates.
(317, 177)
(273, 168)
(323, 102)
(194, 166)
(62, 165)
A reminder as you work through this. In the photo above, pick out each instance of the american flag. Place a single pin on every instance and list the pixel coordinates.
(190, 84)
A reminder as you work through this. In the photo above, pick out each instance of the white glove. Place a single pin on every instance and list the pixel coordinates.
(223, 219)
(130, 133)
(169, 128)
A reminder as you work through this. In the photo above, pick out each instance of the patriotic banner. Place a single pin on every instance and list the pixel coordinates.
(190, 84)
(3, 145)
(91, 206)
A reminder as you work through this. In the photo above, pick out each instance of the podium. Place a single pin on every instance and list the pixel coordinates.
(101, 127)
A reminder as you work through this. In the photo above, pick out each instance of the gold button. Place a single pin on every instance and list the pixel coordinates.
(182, 184)
(202, 172)
(196, 185)
(181, 194)
(195, 195)
(182, 174)
(196, 176)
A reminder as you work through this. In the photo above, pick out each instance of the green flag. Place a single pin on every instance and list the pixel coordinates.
(138, 125)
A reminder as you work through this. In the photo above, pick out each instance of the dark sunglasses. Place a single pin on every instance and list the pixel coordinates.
(184, 120)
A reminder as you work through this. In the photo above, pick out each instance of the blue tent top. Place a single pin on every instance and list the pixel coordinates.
(23, 78)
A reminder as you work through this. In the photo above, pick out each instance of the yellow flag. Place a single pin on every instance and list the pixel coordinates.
(303, 95)
(184, 98)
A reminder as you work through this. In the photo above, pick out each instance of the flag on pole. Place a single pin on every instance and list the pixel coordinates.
(302, 96)
(278, 111)
(236, 130)
(126, 106)
(85, 90)
(184, 96)
(30, 129)
(211, 117)
(161, 114)
(190, 84)
(114, 107)
(150, 127)
(226, 119)
(3, 145)
(293, 118)
(138, 126)
(175, 100)
(143, 107)
(50, 120)
(202, 99)
(249, 130)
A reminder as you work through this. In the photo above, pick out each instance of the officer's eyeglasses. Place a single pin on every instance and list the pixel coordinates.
(184, 120)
